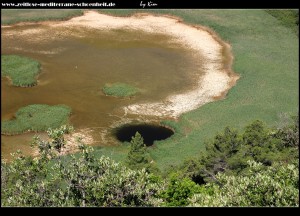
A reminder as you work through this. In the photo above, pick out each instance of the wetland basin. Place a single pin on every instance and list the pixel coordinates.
(78, 57)
(75, 67)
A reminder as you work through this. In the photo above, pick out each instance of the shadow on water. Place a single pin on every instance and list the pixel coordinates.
(150, 133)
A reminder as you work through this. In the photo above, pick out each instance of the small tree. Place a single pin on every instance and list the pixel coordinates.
(259, 144)
(137, 157)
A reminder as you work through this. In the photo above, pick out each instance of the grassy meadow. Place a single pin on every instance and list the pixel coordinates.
(21, 70)
(266, 56)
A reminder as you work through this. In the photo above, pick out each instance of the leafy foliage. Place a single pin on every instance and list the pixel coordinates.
(289, 134)
(178, 191)
(36, 117)
(85, 180)
(119, 90)
(21, 70)
(102, 182)
(229, 151)
(50, 180)
(277, 185)
(259, 144)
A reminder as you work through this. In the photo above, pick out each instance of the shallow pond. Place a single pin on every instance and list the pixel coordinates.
(77, 62)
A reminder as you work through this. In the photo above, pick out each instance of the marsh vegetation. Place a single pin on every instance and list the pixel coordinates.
(119, 90)
(22, 71)
(35, 118)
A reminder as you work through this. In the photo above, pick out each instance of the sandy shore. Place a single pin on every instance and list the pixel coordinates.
(218, 78)
(214, 84)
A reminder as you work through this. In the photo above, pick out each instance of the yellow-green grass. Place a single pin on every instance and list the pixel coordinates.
(21, 70)
(36, 117)
(266, 55)
(119, 90)
(11, 16)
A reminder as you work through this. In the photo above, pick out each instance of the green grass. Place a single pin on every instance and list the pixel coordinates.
(37, 117)
(119, 90)
(267, 59)
(21, 70)
(9, 17)
(289, 18)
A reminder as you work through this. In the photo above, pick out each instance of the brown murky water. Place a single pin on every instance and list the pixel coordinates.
(76, 63)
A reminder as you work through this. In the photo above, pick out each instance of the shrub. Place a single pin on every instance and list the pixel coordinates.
(84, 180)
(260, 186)
(178, 191)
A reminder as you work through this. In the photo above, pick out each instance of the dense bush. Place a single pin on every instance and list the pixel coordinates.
(277, 185)
(228, 152)
(51, 180)
(178, 191)
(289, 134)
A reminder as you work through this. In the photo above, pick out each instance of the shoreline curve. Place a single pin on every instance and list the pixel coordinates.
(218, 76)
(213, 85)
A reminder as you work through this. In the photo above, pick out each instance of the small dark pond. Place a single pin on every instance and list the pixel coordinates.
(150, 133)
